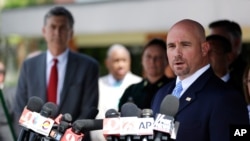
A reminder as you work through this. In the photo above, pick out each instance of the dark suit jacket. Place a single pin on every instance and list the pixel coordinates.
(237, 69)
(80, 88)
(212, 108)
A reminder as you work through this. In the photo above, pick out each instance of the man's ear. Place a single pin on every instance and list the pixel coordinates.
(205, 48)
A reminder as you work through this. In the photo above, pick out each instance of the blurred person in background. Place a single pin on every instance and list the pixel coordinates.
(154, 62)
(75, 76)
(246, 87)
(220, 56)
(7, 124)
(232, 31)
(112, 85)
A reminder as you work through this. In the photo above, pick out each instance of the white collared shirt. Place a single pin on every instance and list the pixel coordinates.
(112, 81)
(61, 67)
(226, 77)
(187, 82)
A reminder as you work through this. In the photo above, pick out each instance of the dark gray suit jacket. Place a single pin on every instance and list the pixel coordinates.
(5, 131)
(80, 88)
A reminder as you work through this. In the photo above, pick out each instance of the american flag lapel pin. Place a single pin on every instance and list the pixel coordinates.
(188, 99)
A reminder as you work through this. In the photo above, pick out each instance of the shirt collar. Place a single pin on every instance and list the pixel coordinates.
(112, 81)
(226, 77)
(62, 57)
(189, 80)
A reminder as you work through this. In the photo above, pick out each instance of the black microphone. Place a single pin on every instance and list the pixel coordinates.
(164, 122)
(79, 127)
(111, 115)
(129, 114)
(63, 124)
(129, 109)
(43, 122)
(86, 125)
(49, 110)
(34, 105)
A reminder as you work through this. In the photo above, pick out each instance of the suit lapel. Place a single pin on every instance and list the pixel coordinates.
(41, 68)
(190, 94)
(69, 74)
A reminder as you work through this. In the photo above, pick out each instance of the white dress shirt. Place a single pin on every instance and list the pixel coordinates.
(187, 82)
(226, 77)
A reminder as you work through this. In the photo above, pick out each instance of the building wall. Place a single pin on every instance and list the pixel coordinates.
(140, 16)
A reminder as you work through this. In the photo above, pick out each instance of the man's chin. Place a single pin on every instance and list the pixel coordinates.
(120, 76)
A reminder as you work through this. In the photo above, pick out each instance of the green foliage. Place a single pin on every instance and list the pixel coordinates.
(10, 4)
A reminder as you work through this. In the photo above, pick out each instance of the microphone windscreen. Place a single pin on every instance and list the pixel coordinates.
(35, 104)
(49, 109)
(169, 105)
(63, 126)
(111, 113)
(87, 125)
(67, 117)
(130, 110)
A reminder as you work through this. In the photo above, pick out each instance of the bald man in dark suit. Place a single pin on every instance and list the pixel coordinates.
(208, 106)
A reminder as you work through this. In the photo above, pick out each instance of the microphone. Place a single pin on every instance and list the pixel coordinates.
(86, 125)
(164, 123)
(72, 134)
(129, 121)
(146, 125)
(42, 122)
(63, 123)
(34, 105)
(111, 125)
(79, 127)
(49, 110)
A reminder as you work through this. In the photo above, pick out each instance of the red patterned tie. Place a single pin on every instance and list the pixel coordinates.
(52, 87)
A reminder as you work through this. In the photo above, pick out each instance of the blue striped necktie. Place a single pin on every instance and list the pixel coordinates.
(177, 90)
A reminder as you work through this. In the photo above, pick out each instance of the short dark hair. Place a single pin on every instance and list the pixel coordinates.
(224, 42)
(156, 41)
(231, 26)
(60, 11)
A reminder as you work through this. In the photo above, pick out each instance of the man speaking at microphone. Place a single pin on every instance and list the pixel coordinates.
(207, 105)
(59, 75)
